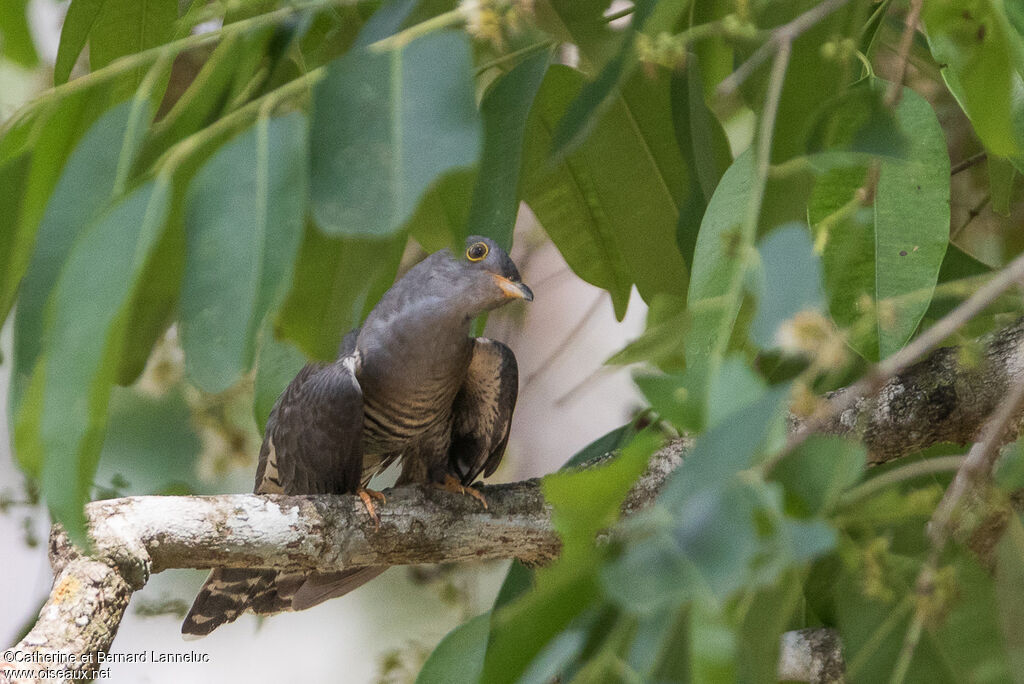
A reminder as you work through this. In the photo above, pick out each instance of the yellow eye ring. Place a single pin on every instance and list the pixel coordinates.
(477, 251)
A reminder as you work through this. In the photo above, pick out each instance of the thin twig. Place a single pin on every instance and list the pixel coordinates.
(892, 96)
(876, 378)
(977, 467)
(911, 471)
(968, 163)
(149, 55)
(974, 213)
(784, 34)
(975, 470)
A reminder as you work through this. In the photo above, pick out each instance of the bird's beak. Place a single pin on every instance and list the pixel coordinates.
(513, 290)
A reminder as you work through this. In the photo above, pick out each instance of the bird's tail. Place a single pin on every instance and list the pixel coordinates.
(229, 592)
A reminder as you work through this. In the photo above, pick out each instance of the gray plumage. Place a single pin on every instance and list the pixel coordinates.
(410, 385)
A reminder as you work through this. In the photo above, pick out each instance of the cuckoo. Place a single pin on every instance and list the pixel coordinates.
(410, 386)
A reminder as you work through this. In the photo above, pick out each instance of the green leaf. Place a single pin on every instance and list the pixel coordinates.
(13, 178)
(337, 281)
(504, 109)
(78, 23)
(15, 37)
(791, 281)
(720, 264)
(817, 473)
(1001, 174)
(1009, 577)
(153, 307)
(126, 27)
(678, 547)
(611, 207)
(149, 442)
(278, 363)
(767, 616)
(459, 658)
(875, 256)
(704, 148)
(809, 73)
(209, 93)
(385, 126)
(47, 134)
(93, 175)
(595, 96)
(735, 387)
(244, 224)
(661, 343)
(673, 398)
(857, 120)
(972, 39)
(581, 22)
(86, 326)
(584, 502)
(442, 217)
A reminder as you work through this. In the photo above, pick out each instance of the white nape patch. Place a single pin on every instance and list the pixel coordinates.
(350, 362)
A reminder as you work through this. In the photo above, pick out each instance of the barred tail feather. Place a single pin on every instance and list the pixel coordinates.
(319, 587)
(225, 595)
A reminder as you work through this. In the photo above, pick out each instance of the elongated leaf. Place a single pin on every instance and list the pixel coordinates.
(91, 177)
(15, 38)
(972, 40)
(86, 324)
(13, 178)
(808, 74)
(612, 206)
(818, 472)
(208, 93)
(720, 262)
(1001, 174)
(504, 110)
(581, 22)
(1009, 576)
(278, 363)
(459, 658)
(336, 283)
(583, 112)
(704, 148)
(244, 225)
(78, 23)
(442, 217)
(161, 429)
(125, 27)
(584, 502)
(47, 135)
(661, 343)
(875, 256)
(792, 281)
(385, 126)
(153, 307)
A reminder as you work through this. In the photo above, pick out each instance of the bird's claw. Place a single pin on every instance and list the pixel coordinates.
(368, 495)
(451, 484)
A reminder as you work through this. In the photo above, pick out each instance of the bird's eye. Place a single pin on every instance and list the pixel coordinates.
(477, 251)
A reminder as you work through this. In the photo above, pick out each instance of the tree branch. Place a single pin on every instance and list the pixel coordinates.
(940, 399)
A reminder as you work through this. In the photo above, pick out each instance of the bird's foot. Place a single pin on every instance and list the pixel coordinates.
(368, 495)
(452, 484)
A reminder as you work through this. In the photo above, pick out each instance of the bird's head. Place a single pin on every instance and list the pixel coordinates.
(495, 278)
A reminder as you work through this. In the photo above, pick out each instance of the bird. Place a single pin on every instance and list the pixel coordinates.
(410, 386)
